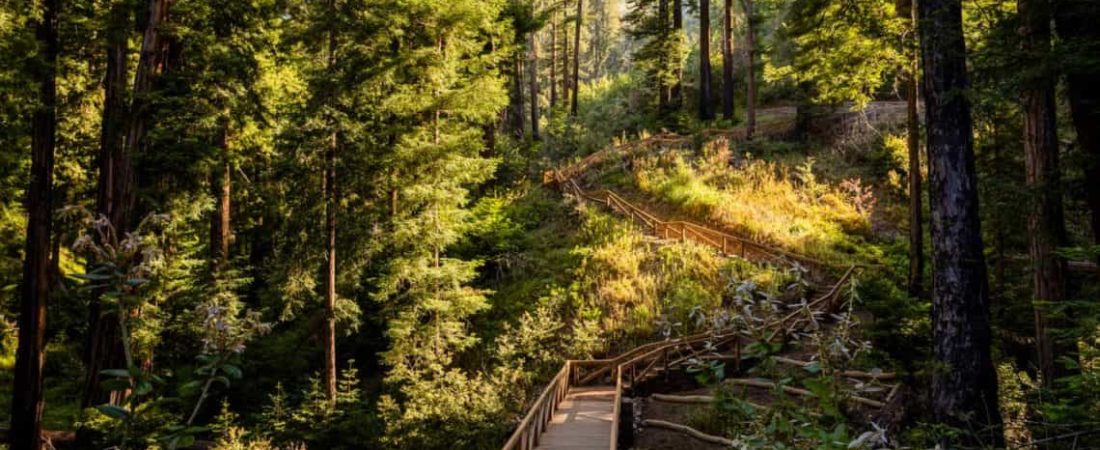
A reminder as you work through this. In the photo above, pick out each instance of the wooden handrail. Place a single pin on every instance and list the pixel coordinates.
(828, 298)
(658, 354)
(702, 234)
(527, 432)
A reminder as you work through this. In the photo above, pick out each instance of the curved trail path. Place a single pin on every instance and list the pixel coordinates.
(580, 407)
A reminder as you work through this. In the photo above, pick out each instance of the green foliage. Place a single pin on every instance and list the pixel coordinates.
(310, 420)
(843, 50)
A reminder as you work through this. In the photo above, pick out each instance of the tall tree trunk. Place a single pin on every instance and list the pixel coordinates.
(30, 357)
(553, 64)
(534, 84)
(1076, 25)
(1045, 220)
(908, 9)
(916, 222)
(565, 77)
(103, 348)
(221, 185)
(706, 110)
(515, 97)
(328, 336)
(150, 65)
(964, 390)
(123, 137)
(750, 69)
(676, 92)
(663, 92)
(727, 60)
(329, 331)
(577, 58)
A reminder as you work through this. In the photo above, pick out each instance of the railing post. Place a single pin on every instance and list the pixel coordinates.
(723, 244)
(742, 248)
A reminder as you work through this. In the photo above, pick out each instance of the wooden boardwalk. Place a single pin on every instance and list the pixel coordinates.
(582, 421)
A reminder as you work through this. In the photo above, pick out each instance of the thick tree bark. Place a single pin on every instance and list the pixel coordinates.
(750, 69)
(1045, 220)
(727, 59)
(1076, 25)
(533, 83)
(577, 58)
(30, 357)
(706, 108)
(675, 93)
(964, 390)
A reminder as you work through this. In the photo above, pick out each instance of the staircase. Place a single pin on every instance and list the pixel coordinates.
(583, 420)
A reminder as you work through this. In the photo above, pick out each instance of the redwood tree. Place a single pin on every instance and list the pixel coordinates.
(964, 388)
(27, 388)
(706, 110)
(727, 60)
(124, 131)
(1045, 220)
(577, 57)
(750, 69)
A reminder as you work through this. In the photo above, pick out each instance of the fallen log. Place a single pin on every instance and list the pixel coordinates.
(683, 398)
(688, 431)
(846, 373)
(797, 391)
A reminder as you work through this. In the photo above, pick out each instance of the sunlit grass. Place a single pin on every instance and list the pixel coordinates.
(766, 201)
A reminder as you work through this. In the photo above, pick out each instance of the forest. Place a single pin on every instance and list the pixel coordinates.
(553, 224)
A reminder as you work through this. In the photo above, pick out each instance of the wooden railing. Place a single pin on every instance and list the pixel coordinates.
(538, 417)
(627, 375)
(624, 371)
(725, 243)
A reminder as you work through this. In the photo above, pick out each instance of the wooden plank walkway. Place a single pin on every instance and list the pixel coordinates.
(582, 421)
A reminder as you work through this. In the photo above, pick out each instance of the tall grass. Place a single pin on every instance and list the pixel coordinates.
(641, 287)
(763, 200)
